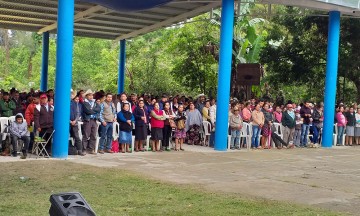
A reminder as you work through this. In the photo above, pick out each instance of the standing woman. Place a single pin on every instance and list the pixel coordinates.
(157, 125)
(357, 128)
(126, 119)
(246, 112)
(193, 125)
(341, 123)
(267, 125)
(167, 127)
(141, 125)
(180, 132)
(258, 121)
(350, 126)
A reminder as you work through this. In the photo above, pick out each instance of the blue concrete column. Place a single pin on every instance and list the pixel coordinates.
(45, 62)
(223, 93)
(64, 54)
(122, 61)
(331, 78)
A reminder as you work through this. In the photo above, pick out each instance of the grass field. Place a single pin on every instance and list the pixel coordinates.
(117, 192)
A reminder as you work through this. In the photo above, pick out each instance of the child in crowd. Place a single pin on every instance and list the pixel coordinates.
(299, 122)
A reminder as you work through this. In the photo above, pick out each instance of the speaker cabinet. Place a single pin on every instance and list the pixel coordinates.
(69, 204)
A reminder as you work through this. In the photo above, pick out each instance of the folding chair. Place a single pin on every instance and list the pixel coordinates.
(39, 147)
(207, 129)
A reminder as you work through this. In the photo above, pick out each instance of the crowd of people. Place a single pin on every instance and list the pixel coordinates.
(168, 118)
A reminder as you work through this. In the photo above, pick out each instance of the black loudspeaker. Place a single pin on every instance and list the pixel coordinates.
(69, 204)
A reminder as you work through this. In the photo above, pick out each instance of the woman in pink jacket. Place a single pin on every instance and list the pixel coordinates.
(157, 125)
(341, 124)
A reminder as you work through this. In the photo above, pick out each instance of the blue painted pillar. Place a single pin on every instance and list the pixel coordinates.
(331, 78)
(223, 93)
(122, 61)
(63, 78)
(45, 62)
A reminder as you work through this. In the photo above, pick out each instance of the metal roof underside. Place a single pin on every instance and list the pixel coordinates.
(96, 21)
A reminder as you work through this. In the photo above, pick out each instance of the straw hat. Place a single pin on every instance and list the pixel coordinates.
(88, 92)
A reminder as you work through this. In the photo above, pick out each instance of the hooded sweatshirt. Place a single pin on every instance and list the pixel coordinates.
(19, 129)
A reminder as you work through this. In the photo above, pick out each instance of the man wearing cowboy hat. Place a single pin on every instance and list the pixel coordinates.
(200, 103)
(90, 113)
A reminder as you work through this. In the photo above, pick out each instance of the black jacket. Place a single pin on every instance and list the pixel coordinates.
(88, 111)
(287, 120)
(350, 117)
(138, 114)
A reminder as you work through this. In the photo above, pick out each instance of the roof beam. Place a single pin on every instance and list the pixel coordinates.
(78, 16)
(172, 20)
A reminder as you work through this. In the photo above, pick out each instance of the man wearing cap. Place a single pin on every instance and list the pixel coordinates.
(91, 112)
(7, 106)
(44, 118)
(107, 117)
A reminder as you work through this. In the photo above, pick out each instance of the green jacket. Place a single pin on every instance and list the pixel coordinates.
(287, 120)
(7, 108)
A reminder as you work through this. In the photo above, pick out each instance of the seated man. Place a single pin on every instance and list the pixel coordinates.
(19, 130)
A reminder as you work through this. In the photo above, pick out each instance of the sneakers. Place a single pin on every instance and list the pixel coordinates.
(109, 151)
(101, 152)
(14, 154)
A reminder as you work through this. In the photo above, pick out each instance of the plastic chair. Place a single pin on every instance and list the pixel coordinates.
(207, 129)
(39, 147)
(97, 137)
(245, 133)
(12, 119)
(116, 130)
(4, 123)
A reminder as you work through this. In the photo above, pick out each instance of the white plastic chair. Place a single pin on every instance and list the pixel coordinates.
(336, 133)
(12, 119)
(207, 129)
(80, 124)
(148, 139)
(4, 123)
(246, 134)
(116, 130)
(97, 137)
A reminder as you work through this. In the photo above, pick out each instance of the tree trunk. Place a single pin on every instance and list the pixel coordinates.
(357, 84)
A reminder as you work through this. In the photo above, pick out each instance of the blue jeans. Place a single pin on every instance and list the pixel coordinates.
(304, 134)
(106, 134)
(255, 136)
(341, 130)
(235, 139)
(315, 134)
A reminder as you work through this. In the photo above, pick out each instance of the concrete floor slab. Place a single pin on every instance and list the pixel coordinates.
(327, 178)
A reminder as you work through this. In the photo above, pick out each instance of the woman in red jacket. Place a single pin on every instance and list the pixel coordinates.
(157, 125)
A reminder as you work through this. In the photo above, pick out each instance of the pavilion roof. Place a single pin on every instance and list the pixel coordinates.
(92, 20)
